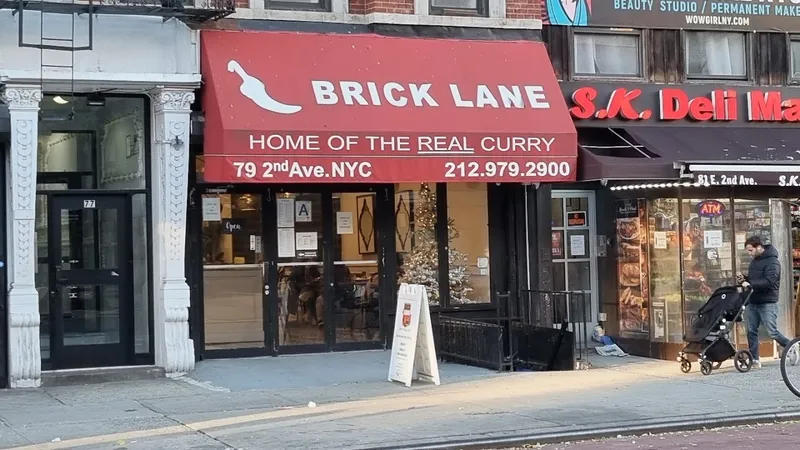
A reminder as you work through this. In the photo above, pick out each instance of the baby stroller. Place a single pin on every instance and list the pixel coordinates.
(709, 336)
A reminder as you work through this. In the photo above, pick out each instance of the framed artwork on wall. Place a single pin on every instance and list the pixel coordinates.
(404, 217)
(366, 223)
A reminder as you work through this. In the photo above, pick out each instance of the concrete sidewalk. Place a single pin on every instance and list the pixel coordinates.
(264, 403)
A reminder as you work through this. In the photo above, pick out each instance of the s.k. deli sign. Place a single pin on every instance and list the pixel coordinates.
(650, 104)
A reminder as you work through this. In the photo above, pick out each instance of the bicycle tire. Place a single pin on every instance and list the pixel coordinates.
(785, 377)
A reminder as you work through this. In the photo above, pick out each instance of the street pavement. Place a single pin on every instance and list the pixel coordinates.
(777, 436)
(342, 400)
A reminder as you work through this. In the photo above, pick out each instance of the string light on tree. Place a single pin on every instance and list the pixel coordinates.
(421, 265)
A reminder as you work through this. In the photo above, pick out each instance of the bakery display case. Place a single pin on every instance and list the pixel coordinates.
(673, 253)
(633, 286)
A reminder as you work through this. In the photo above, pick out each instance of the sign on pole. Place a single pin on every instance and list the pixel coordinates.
(413, 351)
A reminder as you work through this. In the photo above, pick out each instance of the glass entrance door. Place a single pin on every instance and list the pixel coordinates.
(575, 252)
(90, 270)
(324, 287)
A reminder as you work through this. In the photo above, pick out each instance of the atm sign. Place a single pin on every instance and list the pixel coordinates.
(710, 208)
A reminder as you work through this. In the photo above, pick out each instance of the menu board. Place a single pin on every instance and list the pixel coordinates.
(632, 284)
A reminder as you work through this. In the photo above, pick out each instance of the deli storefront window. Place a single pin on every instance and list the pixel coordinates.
(673, 253)
(707, 250)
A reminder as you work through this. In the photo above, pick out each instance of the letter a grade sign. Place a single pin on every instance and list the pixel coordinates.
(413, 351)
(302, 211)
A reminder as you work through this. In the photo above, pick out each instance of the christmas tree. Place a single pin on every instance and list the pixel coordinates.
(421, 265)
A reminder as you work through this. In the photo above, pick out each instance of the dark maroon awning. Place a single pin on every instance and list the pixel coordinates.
(657, 153)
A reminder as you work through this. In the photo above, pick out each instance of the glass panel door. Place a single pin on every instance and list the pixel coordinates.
(90, 276)
(233, 297)
(356, 281)
(300, 302)
(573, 240)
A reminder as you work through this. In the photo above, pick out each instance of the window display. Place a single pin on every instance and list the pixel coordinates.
(751, 218)
(670, 264)
(467, 241)
(633, 288)
(707, 247)
(665, 270)
(468, 216)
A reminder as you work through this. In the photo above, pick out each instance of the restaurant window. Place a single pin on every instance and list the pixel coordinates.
(459, 8)
(794, 46)
(716, 55)
(468, 227)
(419, 228)
(606, 54)
(232, 278)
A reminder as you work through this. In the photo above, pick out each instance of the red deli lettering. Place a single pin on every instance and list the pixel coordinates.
(675, 104)
(770, 107)
(620, 104)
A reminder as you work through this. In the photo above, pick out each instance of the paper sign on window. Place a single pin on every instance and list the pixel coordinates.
(285, 212)
(286, 243)
(306, 240)
(344, 222)
(211, 209)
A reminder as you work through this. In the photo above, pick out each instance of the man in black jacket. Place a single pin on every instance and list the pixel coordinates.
(764, 277)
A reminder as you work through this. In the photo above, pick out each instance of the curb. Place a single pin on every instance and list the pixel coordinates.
(587, 433)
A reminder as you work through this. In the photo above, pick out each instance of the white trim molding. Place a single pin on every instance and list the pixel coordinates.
(24, 347)
(174, 350)
(396, 19)
(60, 80)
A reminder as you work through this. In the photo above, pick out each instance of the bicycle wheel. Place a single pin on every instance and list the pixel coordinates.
(790, 366)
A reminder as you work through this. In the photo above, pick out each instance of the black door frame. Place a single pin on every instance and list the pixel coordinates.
(383, 208)
(3, 282)
(122, 353)
(385, 246)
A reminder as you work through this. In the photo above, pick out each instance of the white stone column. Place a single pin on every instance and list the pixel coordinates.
(24, 357)
(171, 109)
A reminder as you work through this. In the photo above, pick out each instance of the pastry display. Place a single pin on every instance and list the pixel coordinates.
(633, 301)
(628, 229)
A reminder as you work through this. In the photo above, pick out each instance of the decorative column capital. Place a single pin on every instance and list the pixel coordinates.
(21, 97)
(172, 100)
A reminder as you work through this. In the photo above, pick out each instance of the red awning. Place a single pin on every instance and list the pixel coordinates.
(300, 107)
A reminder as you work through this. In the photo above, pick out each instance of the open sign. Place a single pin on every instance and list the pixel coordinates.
(710, 208)
(230, 226)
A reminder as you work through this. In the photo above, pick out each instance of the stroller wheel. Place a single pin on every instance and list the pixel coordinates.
(743, 361)
(705, 368)
(717, 365)
(686, 366)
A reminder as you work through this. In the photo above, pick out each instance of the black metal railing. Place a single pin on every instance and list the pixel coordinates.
(192, 10)
(555, 309)
(534, 330)
(473, 342)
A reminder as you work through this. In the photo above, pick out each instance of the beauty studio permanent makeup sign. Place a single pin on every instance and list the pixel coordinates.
(735, 15)
(306, 108)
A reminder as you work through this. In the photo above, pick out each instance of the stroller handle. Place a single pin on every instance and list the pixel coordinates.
(740, 288)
